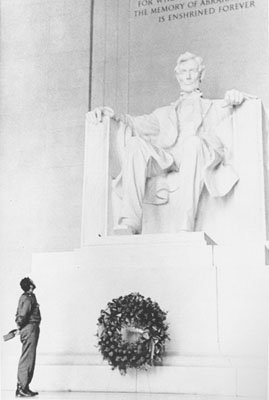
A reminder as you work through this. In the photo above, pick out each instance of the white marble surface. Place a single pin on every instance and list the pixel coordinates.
(45, 86)
(8, 395)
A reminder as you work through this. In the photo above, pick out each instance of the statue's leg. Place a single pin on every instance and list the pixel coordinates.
(194, 156)
(141, 160)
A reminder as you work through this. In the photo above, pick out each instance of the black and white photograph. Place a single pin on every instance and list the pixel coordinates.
(134, 199)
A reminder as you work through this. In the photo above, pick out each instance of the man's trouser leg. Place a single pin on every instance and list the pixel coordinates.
(29, 338)
(194, 156)
(142, 160)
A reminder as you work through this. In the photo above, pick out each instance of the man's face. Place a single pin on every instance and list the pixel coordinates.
(32, 288)
(188, 75)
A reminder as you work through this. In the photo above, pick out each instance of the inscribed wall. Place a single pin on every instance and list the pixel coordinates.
(137, 44)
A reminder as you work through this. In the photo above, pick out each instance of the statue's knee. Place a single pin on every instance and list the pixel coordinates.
(134, 145)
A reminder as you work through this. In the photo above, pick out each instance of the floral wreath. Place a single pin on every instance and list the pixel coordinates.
(132, 331)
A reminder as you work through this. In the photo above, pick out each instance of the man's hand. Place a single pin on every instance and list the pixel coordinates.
(235, 98)
(96, 116)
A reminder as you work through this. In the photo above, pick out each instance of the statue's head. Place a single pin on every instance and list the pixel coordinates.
(189, 71)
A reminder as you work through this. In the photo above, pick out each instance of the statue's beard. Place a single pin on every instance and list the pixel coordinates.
(189, 88)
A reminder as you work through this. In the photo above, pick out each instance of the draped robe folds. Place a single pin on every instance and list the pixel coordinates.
(167, 127)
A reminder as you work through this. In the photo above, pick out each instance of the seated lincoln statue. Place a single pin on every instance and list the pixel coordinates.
(184, 137)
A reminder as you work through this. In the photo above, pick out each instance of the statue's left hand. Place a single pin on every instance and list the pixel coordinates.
(235, 97)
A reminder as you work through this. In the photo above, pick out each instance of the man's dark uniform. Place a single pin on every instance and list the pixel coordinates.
(28, 319)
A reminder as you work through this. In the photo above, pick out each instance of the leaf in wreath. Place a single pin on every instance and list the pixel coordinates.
(139, 348)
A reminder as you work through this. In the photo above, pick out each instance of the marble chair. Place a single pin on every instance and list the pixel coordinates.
(240, 214)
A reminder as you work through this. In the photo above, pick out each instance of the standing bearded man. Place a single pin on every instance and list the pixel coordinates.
(28, 320)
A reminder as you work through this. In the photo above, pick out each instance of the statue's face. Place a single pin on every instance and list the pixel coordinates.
(188, 75)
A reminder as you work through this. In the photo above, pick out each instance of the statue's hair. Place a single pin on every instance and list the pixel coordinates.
(25, 284)
(190, 56)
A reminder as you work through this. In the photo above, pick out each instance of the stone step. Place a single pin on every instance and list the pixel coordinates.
(214, 376)
(46, 395)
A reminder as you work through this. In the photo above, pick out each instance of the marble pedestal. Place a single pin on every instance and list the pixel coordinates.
(216, 298)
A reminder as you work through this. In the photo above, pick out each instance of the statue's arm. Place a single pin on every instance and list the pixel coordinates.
(144, 125)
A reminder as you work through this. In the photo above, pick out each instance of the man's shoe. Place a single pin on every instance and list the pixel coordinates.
(28, 390)
(22, 393)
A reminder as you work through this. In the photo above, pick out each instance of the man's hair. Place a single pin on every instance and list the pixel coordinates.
(25, 284)
(190, 56)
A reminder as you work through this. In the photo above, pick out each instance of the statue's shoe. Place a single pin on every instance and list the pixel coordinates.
(124, 230)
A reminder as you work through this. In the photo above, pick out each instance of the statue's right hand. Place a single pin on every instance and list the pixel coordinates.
(96, 116)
